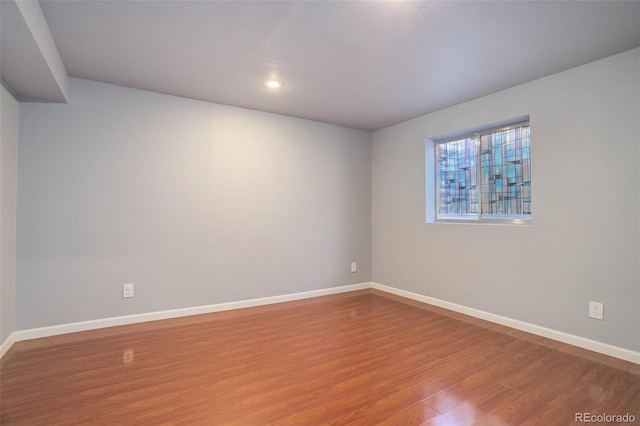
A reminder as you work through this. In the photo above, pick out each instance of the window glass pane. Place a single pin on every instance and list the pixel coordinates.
(506, 172)
(458, 174)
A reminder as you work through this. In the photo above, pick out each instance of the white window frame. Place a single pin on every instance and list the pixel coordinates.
(474, 218)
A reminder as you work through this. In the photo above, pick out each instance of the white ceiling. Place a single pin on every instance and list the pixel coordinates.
(360, 64)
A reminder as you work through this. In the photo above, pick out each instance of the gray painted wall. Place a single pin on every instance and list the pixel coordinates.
(199, 203)
(8, 173)
(584, 241)
(195, 203)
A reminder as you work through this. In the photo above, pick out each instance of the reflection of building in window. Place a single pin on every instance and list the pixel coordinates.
(458, 172)
(485, 176)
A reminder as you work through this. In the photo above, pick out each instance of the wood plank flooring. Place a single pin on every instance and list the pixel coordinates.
(361, 358)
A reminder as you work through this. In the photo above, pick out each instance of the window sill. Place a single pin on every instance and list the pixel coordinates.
(481, 222)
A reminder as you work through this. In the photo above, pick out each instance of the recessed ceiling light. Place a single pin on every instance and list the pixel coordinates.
(273, 84)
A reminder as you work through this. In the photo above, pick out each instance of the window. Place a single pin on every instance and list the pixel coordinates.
(484, 176)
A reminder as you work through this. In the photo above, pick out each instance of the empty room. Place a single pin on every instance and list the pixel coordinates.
(319, 212)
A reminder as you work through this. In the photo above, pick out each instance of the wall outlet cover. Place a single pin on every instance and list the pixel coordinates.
(596, 310)
(127, 290)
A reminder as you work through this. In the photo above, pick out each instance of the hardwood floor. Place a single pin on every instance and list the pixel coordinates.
(361, 358)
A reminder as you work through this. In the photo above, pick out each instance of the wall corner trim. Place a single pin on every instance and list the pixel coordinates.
(581, 342)
(6, 345)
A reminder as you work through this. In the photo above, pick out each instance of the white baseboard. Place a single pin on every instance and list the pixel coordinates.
(6, 345)
(35, 333)
(560, 336)
(592, 345)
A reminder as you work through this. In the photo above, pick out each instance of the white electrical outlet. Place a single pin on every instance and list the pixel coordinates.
(596, 310)
(127, 290)
(354, 267)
